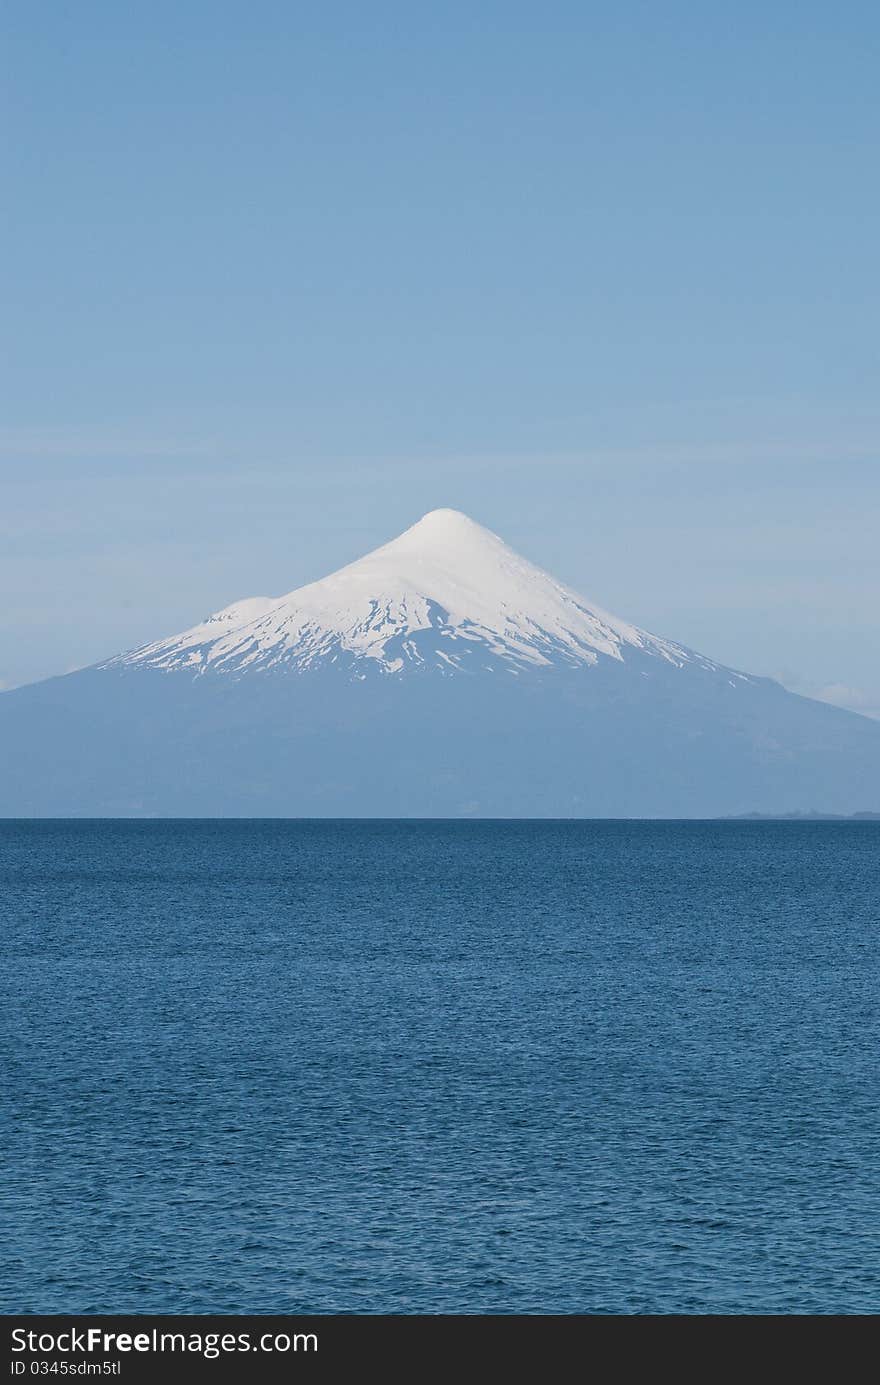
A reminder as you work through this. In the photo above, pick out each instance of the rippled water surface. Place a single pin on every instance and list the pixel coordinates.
(440, 1067)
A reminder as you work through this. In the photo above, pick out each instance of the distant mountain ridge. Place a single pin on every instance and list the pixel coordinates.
(442, 675)
(811, 816)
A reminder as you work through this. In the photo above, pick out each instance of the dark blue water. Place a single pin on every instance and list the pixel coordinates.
(440, 1067)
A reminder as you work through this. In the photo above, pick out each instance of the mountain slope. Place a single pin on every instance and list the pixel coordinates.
(442, 675)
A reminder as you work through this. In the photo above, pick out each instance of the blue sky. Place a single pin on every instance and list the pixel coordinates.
(278, 278)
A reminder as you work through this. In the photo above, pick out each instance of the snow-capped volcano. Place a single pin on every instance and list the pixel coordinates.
(446, 594)
(440, 676)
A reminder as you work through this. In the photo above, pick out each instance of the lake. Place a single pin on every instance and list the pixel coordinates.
(455, 1067)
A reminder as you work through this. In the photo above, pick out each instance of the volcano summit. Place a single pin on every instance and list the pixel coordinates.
(446, 594)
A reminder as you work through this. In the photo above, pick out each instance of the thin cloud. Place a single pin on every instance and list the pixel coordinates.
(62, 444)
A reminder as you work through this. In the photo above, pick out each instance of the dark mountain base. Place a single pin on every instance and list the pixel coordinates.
(634, 740)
